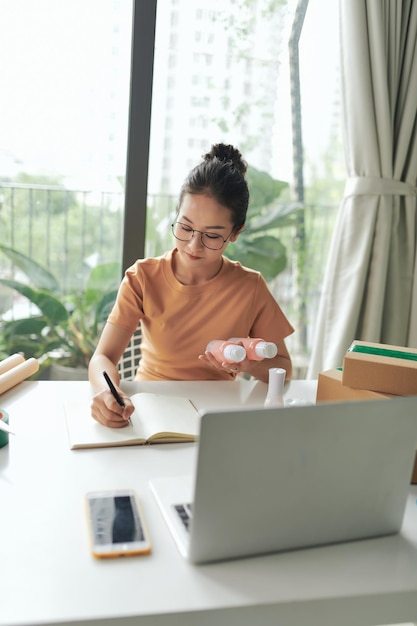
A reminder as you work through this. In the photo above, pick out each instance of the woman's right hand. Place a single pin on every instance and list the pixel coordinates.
(107, 411)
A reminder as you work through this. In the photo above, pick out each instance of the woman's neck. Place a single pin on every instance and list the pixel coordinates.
(186, 276)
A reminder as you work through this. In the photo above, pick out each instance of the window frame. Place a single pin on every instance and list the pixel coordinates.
(139, 121)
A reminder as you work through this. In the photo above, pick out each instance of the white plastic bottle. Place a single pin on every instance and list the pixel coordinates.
(226, 351)
(257, 349)
(275, 393)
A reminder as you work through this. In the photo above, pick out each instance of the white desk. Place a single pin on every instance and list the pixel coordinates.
(47, 575)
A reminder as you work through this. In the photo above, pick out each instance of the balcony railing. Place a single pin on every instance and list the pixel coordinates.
(61, 228)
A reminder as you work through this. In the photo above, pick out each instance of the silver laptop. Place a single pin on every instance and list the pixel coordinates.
(269, 480)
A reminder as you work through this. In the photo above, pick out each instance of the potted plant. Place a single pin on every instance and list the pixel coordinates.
(64, 328)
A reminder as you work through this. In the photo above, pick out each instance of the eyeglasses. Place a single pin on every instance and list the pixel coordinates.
(212, 241)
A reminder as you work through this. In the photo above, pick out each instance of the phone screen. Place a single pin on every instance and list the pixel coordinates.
(116, 524)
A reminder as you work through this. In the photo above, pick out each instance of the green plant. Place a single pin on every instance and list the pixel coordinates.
(260, 247)
(65, 327)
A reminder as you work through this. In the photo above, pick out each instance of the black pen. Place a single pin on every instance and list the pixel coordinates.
(114, 392)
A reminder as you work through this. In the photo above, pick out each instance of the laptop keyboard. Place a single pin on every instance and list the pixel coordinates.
(186, 513)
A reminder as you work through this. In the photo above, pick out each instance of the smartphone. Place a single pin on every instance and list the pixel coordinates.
(116, 524)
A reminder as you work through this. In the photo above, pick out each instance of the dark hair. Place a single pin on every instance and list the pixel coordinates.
(221, 175)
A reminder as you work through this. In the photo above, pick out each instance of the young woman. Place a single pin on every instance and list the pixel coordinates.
(192, 295)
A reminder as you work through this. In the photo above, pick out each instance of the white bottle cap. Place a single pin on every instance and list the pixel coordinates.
(266, 349)
(234, 353)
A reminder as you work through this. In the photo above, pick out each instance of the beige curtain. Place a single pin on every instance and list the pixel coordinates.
(370, 284)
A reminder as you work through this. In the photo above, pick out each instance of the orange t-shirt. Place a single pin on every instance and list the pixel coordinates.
(178, 321)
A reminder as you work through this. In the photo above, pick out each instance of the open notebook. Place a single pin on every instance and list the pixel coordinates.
(269, 480)
(156, 419)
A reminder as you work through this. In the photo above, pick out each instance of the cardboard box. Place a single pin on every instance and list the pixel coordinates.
(331, 389)
(381, 367)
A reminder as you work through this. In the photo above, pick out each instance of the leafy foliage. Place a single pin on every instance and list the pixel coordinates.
(65, 327)
(260, 246)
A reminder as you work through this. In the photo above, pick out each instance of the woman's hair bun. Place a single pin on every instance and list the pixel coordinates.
(227, 154)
